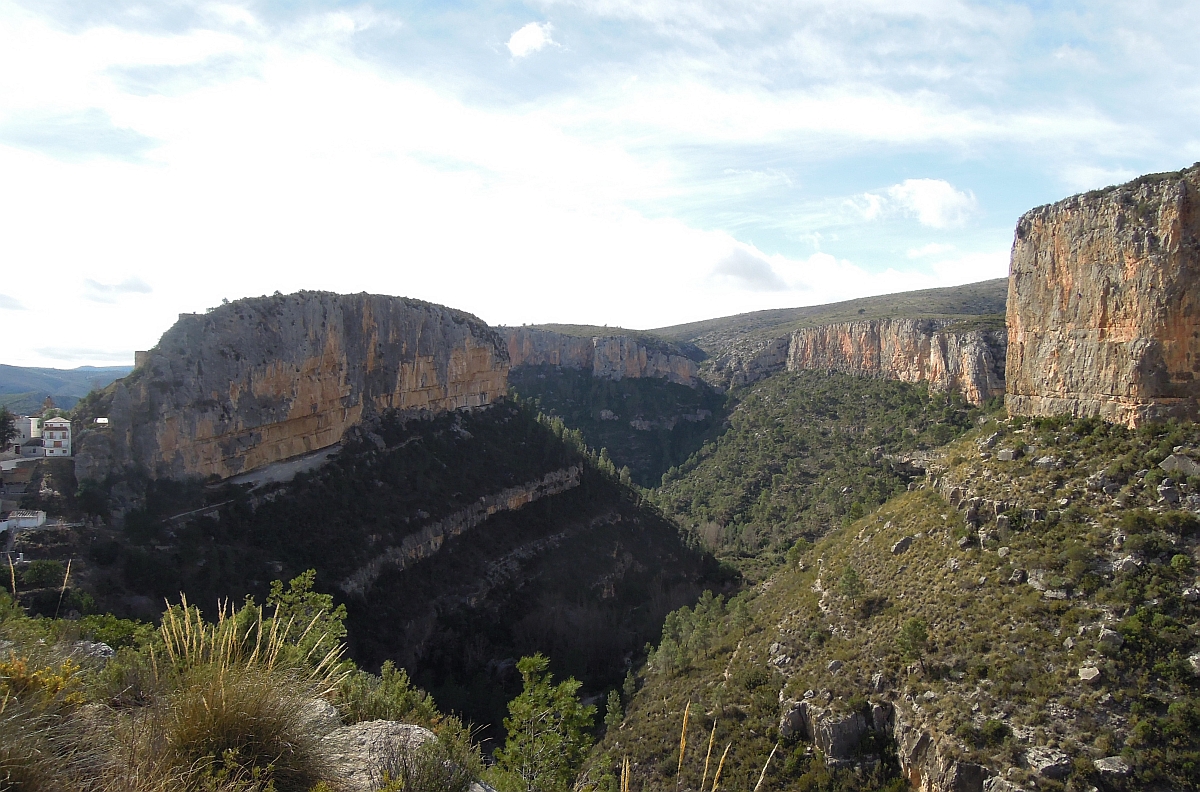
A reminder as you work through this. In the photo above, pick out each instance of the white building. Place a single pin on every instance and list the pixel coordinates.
(56, 437)
(19, 520)
(28, 428)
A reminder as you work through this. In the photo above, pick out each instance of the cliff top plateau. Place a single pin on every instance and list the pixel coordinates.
(980, 304)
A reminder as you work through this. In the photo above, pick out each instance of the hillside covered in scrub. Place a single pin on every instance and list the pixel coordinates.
(1009, 623)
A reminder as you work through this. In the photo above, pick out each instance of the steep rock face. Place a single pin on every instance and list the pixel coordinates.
(928, 762)
(612, 357)
(910, 350)
(263, 380)
(746, 362)
(1104, 303)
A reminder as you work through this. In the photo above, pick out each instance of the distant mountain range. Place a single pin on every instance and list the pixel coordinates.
(23, 389)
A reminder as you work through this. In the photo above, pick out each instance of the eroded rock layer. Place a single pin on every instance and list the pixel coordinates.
(939, 352)
(263, 380)
(612, 357)
(1104, 303)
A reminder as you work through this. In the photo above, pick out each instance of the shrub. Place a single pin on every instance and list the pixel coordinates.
(389, 696)
(240, 709)
(43, 574)
(243, 722)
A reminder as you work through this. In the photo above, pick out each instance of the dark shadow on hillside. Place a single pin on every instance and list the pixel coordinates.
(647, 425)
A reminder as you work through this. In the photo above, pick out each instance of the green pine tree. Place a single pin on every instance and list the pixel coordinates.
(547, 728)
(613, 713)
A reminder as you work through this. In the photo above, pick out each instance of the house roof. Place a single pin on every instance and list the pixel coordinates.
(56, 421)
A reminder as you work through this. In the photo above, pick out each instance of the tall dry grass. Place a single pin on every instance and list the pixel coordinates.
(236, 711)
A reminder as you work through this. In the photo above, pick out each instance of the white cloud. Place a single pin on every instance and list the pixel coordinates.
(109, 293)
(932, 249)
(935, 202)
(10, 304)
(746, 269)
(530, 39)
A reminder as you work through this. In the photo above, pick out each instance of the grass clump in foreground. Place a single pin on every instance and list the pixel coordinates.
(245, 703)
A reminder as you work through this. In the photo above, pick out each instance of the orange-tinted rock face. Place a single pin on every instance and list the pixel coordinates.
(611, 357)
(1104, 304)
(910, 350)
(263, 380)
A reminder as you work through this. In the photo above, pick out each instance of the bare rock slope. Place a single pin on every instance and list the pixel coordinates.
(267, 379)
(1104, 303)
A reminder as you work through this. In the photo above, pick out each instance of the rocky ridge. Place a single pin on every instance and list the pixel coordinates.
(1104, 304)
(262, 380)
(429, 539)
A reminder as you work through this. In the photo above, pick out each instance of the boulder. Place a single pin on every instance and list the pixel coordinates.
(1112, 768)
(1048, 762)
(1127, 565)
(1168, 494)
(1089, 674)
(902, 545)
(1007, 454)
(1110, 639)
(93, 650)
(1046, 463)
(364, 752)
(1180, 465)
(1018, 576)
(1194, 662)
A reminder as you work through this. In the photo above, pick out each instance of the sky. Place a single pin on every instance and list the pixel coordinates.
(608, 162)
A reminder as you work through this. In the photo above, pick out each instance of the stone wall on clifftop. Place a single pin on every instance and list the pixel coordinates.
(612, 357)
(261, 380)
(1104, 303)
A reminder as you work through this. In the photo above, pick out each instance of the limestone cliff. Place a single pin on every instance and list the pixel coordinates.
(1104, 303)
(262, 380)
(612, 357)
(949, 358)
(943, 353)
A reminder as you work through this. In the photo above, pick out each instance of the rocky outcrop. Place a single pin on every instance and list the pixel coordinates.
(430, 539)
(745, 362)
(262, 380)
(1104, 304)
(910, 350)
(928, 762)
(612, 357)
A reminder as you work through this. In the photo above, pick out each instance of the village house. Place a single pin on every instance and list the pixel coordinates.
(29, 429)
(22, 520)
(56, 437)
